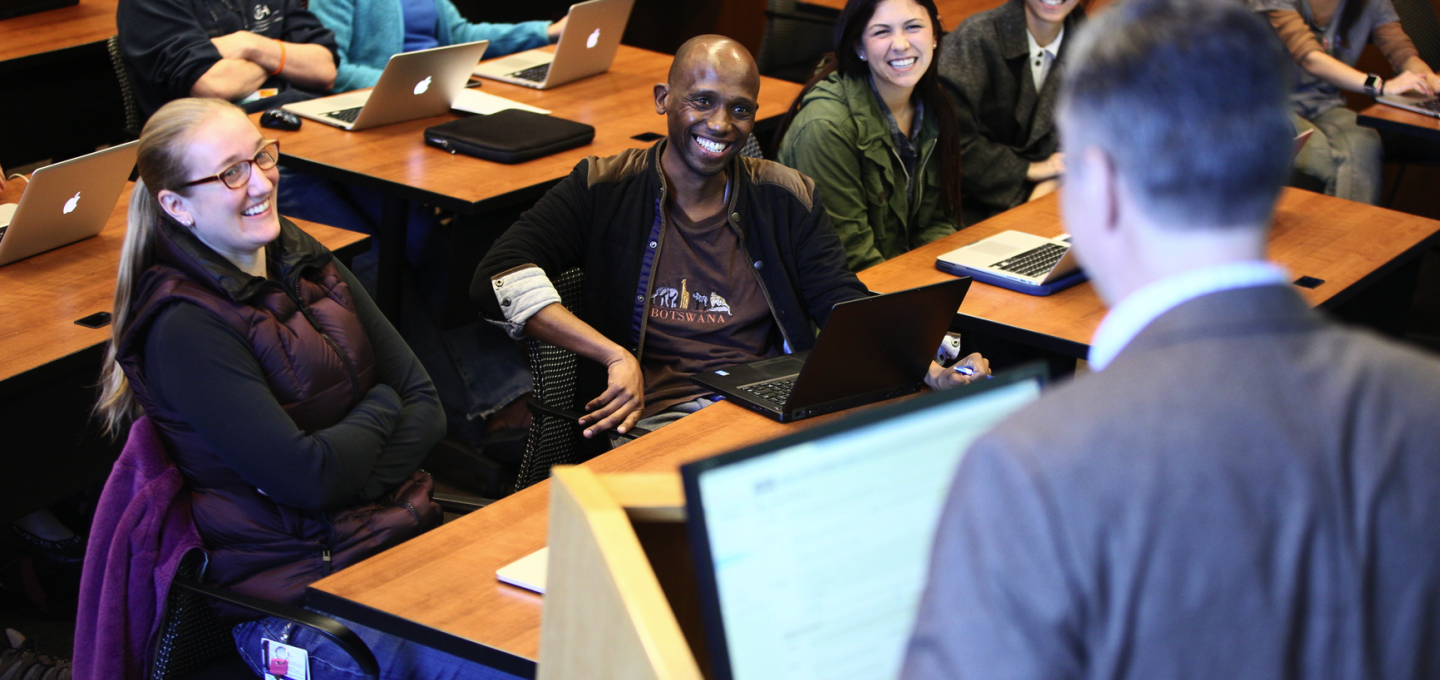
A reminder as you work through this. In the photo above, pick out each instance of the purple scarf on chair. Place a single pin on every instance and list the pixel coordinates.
(142, 530)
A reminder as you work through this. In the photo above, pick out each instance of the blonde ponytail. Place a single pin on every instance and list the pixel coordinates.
(160, 158)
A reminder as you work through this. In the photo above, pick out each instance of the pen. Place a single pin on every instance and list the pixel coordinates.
(967, 371)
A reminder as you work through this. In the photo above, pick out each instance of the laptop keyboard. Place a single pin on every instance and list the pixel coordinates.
(775, 391)
(1034, 262)
(534, 74)
(347, 115)
(1433, 106)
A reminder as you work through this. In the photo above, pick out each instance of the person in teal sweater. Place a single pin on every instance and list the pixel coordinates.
(369, 32)
(877, 134)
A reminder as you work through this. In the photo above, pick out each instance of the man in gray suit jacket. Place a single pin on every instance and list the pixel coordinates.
(1242, 489)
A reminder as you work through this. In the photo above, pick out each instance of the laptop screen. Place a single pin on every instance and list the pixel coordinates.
(812, 551)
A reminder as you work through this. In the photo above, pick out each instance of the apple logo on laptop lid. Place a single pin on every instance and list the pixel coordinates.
(593, 39)
(422, 86)
(70, 204)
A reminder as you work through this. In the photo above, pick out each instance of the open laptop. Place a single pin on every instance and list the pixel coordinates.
(870, 349)
(811, 552)
(65, 202)
(414, 85)
(1018, 261)
(592, 35)
(1419, 103)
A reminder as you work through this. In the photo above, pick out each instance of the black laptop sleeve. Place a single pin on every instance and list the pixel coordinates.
(509, 136)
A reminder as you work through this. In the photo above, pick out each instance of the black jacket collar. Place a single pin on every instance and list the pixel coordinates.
(288, 255)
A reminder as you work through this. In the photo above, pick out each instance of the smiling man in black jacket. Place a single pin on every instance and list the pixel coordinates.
(694, 257)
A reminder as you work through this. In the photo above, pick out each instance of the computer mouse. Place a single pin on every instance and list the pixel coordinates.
(280, 119)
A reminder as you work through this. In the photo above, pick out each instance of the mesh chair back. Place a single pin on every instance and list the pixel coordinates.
(133, 121)
(1417, 17)
(553, 440)
(796, 37)
(752, 148)
(189, 636)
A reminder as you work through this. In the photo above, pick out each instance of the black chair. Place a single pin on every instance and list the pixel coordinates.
(554, 437)
(192, 642)
(1418, 19)
(797, 35)
(133, 120)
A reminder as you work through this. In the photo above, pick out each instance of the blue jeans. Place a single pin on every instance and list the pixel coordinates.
(476, 368)
(663, 418)
(399, 659)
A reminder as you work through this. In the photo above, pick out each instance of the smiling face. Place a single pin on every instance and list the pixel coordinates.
(1049, 11)
(233, 222)
(898, 44)
(710, 108)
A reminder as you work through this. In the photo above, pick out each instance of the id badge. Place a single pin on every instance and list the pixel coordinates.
(284, 662)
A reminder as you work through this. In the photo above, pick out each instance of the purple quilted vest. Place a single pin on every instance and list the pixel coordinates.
(318, 361)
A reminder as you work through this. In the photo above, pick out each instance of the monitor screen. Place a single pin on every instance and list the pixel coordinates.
(813, 553)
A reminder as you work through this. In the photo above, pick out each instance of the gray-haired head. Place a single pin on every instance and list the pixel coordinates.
(1189, 100)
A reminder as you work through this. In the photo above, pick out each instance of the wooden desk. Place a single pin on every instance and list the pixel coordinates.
(440, 588)
(42, 296)
(1346, 244)
(1389, 118)
(395, 161)
(952, 12)
(90, 21)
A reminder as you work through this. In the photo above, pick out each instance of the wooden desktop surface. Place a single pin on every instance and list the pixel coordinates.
(445, 581)
(42, 296)
(56, 29)
(1341, 242)
(952, 12)
(618, 103)
(1385, 117)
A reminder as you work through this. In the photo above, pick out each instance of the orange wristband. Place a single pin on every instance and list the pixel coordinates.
(281, 67)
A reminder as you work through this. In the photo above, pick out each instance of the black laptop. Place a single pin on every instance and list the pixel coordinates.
(871, 349)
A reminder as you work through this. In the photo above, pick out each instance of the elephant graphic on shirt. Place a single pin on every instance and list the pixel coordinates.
(666, 296)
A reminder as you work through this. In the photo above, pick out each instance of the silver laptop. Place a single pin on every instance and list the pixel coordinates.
(592, 36)
(414, 85)
(1024, 259)
(1419, 103)
(65, 202)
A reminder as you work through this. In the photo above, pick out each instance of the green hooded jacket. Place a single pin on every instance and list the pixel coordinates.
(840, 139)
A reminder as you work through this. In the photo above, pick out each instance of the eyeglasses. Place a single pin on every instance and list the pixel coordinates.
(237, 175)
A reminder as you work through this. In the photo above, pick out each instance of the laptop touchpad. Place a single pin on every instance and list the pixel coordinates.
(7, 211)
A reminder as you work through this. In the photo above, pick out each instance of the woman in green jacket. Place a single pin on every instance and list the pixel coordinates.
(887, 191)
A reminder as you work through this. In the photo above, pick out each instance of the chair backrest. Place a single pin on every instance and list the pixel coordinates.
(189, 636)
(553, 440)
(796, 37)
(133, 121)
(1417, 17)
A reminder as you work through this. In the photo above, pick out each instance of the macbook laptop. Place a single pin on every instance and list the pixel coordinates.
(1417, 102)
(1018, 261)
(871, 349)
(65, 202)
(592, 35)
(414, 85)
(811, 552)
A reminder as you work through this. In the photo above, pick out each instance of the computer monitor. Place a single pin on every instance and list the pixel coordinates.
(811, 551)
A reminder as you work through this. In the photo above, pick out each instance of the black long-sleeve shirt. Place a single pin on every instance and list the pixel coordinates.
(166, 43)
(202, 369)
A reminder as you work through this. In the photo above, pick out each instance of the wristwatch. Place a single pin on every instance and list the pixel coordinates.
(1374, 85)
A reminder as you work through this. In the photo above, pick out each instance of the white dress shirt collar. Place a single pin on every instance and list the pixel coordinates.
(1134, 313)
(1042, 58)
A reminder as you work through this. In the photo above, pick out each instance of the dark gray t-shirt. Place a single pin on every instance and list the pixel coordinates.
(1312, 95)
